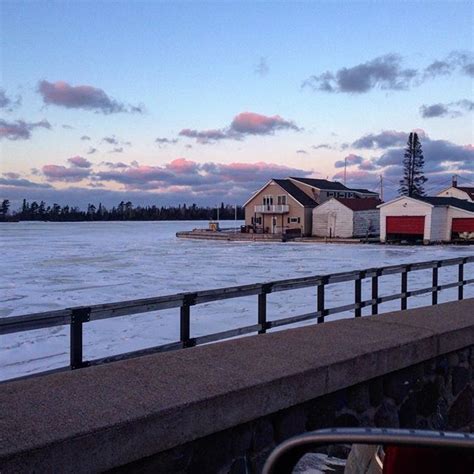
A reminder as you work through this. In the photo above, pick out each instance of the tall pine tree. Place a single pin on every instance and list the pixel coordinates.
(413, 164)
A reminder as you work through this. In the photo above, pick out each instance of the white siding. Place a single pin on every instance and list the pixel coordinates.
(405, 207)
(454, 192)
(439, 219)
(332, 219)
(366, 222)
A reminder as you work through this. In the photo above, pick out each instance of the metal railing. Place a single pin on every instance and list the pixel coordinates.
(78, 316)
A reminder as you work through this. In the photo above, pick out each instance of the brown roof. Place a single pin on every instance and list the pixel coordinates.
(360, 204)
(469, 191)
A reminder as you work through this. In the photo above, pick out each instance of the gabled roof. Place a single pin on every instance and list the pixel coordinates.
(321, 184)
(364, 191)
(468, 191)
(296, 193)
(447, 201)
(359, 204)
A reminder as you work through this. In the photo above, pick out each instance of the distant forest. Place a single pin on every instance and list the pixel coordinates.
(124, 211)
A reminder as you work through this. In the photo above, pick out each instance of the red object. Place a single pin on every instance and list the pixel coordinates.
(412, 225)
(464, 224)
(413, 460)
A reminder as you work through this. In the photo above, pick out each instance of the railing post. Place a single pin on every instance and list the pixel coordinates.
(358, 294)
(404, 288)
(461, 281)
(375, 292)
(185, 321)
(434, 294)
(78, 317)
(321, 306)
(262, 308)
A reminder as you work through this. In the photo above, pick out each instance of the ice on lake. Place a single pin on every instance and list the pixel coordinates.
(48, 266)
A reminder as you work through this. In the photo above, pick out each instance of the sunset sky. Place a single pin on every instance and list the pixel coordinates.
(182, 102)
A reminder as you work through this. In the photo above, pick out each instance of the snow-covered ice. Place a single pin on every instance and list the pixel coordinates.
(47, 266)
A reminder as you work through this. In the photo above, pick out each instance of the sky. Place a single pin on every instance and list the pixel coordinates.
(203, 102)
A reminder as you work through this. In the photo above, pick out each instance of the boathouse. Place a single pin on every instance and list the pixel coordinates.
(427, 219)
(347, 218)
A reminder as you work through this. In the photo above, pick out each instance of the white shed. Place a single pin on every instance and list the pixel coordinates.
(346, 218)
(427, 219)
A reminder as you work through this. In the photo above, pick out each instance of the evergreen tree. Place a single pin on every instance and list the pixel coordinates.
(4, 207)
(413, 163)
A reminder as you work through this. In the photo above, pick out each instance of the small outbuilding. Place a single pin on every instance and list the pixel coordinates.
(427, 219)
(346, 218)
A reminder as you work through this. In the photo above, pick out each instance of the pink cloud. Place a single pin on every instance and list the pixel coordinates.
(62, 94)
(20, 130)
(182, 165)
(79, 162)
(61, 173)
(243, 124)
(256, 124)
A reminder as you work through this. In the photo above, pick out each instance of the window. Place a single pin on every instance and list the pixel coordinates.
(293, 220)
(281, 200)
(267, 200)
(330, 194)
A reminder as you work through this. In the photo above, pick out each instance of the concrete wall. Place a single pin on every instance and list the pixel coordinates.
(221, 408)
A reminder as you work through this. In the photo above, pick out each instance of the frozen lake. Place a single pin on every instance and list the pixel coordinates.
(47, 266)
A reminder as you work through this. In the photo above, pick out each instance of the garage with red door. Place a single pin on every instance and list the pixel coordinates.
(411, 227)
(462, 225)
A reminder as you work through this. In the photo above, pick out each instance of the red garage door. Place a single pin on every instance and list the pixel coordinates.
(413, 225)
(464, 224)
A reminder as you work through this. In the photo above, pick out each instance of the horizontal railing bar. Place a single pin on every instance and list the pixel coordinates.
(124, 308)
(227, 334)
(30, 322)
(293, 319)
(139, 353)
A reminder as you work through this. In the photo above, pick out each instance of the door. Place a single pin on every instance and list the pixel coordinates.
(463, 224)
(331, 225)
(406, 225)
(274, 225)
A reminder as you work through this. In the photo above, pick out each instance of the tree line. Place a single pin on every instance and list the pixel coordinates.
(124, 211)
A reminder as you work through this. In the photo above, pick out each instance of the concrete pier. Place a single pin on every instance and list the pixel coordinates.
(153, 413)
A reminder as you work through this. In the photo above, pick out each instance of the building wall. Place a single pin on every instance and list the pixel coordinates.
(332, 219)
(366, 223)
(295, 210)
(405, 207)
(454, 192)
(439, 224)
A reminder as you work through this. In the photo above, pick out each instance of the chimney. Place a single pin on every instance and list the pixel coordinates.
(455, 181)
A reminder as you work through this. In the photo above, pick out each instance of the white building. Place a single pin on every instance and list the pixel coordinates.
(460, 192)
(430, 219)
(346, 218)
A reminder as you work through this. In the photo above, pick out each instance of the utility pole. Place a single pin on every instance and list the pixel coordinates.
(381, 188)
